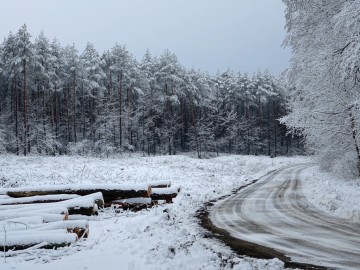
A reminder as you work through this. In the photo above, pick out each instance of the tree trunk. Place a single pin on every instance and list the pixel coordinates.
(16, 118)
(44, 118)
(120, 78)
(67, 98)
(74, 107)
(247, 118)
(56, 115)
(25, 109)
(260, 123)
(269, 130)
(354, 135)
(83, 117)
(275, 128)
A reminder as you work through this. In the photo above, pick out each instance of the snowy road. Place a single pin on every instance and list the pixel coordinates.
(274, 213)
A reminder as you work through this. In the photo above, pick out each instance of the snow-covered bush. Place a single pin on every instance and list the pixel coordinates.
(2, 141)
(327, 160)
(84, 147)
(102, 147)
(346, 166)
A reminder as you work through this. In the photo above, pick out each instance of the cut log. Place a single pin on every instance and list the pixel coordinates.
(91, 210)
(166, 194)
(160, 184)
(81, 217)
(109, 191)
(87, 205)
(133, 201)
(21, 223)
(37, 199)
(82, 205)
(42, 207)
(18, 240)
(134, 204)
(159, 202)
(51, 212)
(30, 211)
(80, 227)
(34, 209)
(46, 217)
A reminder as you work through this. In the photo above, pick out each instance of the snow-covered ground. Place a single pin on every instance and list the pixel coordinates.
(165, 237)
(338, 197)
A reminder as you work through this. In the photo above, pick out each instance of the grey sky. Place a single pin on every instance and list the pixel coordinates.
(243, 35)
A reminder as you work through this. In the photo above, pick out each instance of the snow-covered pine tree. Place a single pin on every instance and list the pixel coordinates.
(87, 103)
(23, 61)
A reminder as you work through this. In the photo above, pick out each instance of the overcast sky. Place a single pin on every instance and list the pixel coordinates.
(243, 35)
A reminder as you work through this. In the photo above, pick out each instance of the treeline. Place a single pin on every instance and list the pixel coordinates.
(324, 76)
(55, 100)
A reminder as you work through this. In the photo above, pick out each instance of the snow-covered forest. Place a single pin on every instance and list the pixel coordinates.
(57, 100)
(134, 160)
(324, 78)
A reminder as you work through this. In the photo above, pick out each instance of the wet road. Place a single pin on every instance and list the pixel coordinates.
(274, 213)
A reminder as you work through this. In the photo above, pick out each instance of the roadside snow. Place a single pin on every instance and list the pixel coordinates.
(338, 197)
(165, 237)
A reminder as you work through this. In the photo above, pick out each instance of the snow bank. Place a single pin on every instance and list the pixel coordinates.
(337, 197)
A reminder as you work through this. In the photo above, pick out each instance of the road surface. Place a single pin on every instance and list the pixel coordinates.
(273, 212)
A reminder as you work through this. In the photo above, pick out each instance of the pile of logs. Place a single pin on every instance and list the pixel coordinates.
(44, 220)
(159, 192)
(55, 216)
